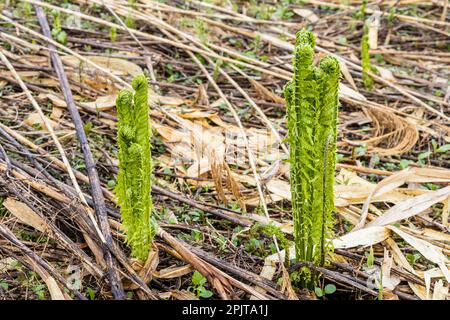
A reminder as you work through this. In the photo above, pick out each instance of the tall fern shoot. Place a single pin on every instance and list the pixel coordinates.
(312, 104)
(135, 167)
(365, 56)
(365, 59)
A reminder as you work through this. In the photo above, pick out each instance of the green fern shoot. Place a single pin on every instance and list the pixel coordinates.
(365, 56)
(312, 104)
(365, 59)
(135, 167)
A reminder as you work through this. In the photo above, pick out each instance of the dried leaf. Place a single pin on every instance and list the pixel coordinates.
(57, 113)
(386, 187)
(184, 295)
(411, 207)
(55, 100)
(386, 74)
(374, 25)
(350, 93)
(35, 119)
(440, 291)
(389, 280)
(201, 96)
(307, 14)
(435, 235)
(26, 215)
(166, 100)
(266, 93)
(6, 264)
(102, 103)
(279, 188)
(117, 66)
(173, 272)
(347, 75)
(352, 189)
(446, 212)
(363, 237)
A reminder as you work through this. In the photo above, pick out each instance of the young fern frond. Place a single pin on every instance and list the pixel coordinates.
(135, 167)
(363, 8)
(365, 59)
(312, 103)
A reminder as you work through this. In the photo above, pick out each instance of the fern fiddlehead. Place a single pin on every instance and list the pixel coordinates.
(311, 103)
(135, 167)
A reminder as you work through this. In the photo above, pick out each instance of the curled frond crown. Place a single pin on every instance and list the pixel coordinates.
(139, 81)
(303, 56)
(305, 37)
(124, 102)
(330, 65)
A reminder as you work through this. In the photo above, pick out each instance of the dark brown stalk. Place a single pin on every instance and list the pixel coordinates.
(96, 190)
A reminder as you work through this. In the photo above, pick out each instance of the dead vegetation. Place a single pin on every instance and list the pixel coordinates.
(221, 183)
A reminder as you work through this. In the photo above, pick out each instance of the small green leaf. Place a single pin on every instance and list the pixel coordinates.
(444, 148)
(55, 32)
(111, 184)
(113, 34)
(319, 292)
(434, 144)
(167, 170)
(4, 285)
(203, 281)
(404, 163)
(197, 278)
(91, 293)
(61, 37)
(38, 287)
(361, 150)
(204, 293)
(413, 258)
(196, 235)
(424, 155)
(88, 127)
(330, 288)
(342, 40)
(339, 157)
